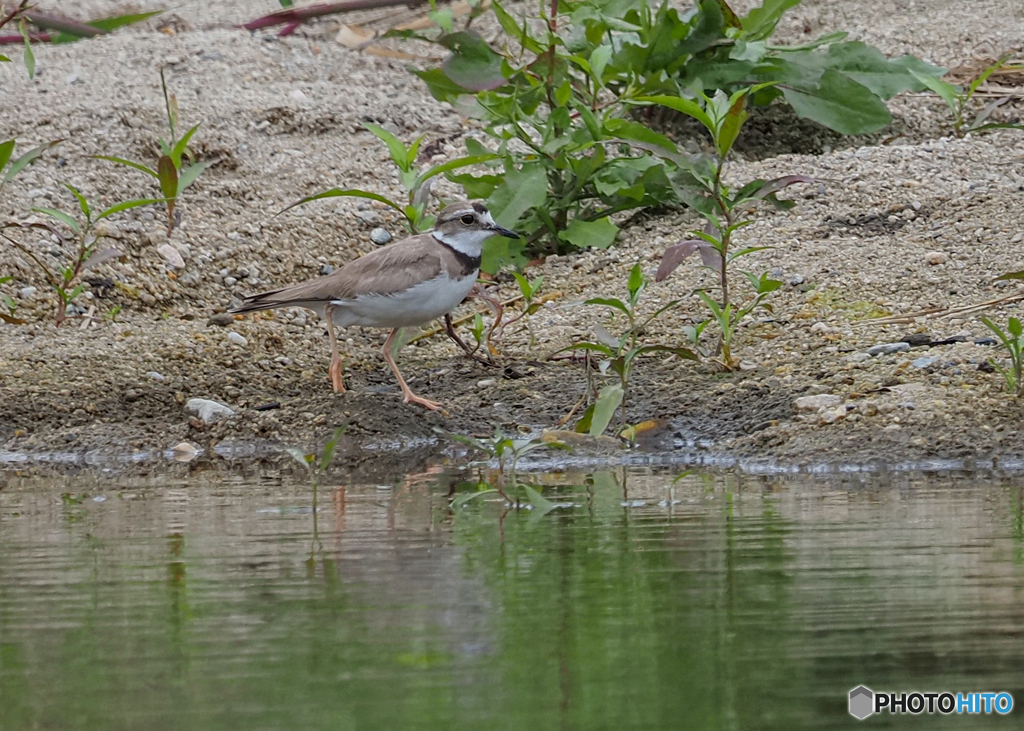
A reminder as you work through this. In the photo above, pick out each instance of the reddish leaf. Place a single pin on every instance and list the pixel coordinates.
(678, 253)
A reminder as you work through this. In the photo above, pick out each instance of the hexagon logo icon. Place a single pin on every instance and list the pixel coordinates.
(862, 702)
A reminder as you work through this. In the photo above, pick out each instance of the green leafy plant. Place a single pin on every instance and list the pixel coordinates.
(507, 450)
(528, 289)
(171, 173)
(80, 249)
(10, 305)
(1013, 340)
(621, 351)
(958, 99)
(317, 464)
(417, 184)
(726, 210)
(555, 100)
(10, 168)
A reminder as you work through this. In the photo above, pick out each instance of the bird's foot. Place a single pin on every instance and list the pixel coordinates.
(410, 398)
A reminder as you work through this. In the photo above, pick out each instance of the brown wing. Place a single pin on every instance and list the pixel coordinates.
(384, 271)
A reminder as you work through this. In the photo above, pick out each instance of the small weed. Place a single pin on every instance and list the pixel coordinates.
(417, 184)
(10, 305)
(528, 288)
(1013, 340)
(317, 464)
(725, 209)
(111, 314)
(958, 98)
(66, 279)
(171, 173)
(507, 450)
(621, 351)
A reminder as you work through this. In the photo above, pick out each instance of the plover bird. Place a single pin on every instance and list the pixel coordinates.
(405, 284)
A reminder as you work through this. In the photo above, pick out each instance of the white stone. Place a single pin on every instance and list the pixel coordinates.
(208, 411)
(172, 255)
(237, 339)
(813, 403)
(830, 416)
(936, 257)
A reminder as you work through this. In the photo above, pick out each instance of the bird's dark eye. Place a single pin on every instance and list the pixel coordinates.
(468, 219)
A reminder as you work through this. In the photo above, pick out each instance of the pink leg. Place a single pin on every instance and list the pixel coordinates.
(408, 396)
(335, 370)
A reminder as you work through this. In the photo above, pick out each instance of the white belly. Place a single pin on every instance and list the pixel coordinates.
(417, 305)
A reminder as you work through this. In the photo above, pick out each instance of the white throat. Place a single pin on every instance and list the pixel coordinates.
(469, 243)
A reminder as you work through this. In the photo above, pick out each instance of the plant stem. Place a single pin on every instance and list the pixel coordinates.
(300, 15)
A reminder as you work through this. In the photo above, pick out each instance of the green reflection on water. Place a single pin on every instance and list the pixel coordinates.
(717, 603)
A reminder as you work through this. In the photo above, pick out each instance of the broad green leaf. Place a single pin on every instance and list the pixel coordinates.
(599, 59)
(522, 190)
(839, 103)
(599, 234)
(636, 132)
(126, 205)
(6, 148)
(760, 22)
(499, 251)
(5, 59)
(190, 174)
(395, 146)
(473, 64)
(868, 66)
(27, 159)
(129, 163)
(60, 216)
(636, 281)
(608, 401)
(1014, 327)
(338, 193)
(732, 124)
(583, 425)
(441, 87)
(168, 177)
(477, 186)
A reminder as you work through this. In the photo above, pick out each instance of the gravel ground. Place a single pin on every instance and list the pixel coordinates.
(925, 221)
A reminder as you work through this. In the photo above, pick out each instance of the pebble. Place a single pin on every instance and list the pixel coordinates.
(819, 328)
(796, 280)
(857, 357)
(925, 362)
(237, 339)
(172, 256)
(936, 257)
(326, 269)
(208, 411)
(27, 292)
(813, 403)
(230, 281)
(486, 383)
(155, 376)
(222, 319)
(380, 236)
(368, 216)
(888, 348)
(830, 416)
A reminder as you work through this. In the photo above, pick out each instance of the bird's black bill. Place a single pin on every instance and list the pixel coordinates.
(503, 231)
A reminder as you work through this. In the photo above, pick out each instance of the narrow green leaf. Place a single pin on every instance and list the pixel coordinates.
(179, 149)
(352, 193)
(27, 159)
(399, 155)
(949, 93)
(190, 174)
(445, 167)
(83, 204)
(5, 59)
(30, 58)
(612, 302)
(608, 401)
(129, 163)
(587, 346)
(60, 216)
(636, 280)
(1010, 275)
(687, 106)
(299, 456)
(462, 500)
(119, 21)
(329, 449)
(1014, 327)
(126, 205)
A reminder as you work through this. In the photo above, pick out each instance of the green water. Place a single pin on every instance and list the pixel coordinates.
(725, 602)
